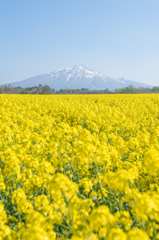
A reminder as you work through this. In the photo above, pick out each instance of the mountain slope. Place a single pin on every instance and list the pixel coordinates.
(76, 78)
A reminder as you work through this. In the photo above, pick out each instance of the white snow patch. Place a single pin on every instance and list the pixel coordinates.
(64, 69)
(89, 76)
(90, 72)
(79, 67)
(69, 76)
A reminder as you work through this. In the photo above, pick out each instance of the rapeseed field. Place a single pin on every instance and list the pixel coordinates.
(79, 167)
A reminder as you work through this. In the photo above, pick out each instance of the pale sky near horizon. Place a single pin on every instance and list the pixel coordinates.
(119, 38)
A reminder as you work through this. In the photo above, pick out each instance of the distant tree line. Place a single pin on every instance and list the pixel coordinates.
(131, 89)
(28, 90)
(40, 89)
(47, 90)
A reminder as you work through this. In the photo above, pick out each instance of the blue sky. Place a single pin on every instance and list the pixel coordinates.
(119, 38)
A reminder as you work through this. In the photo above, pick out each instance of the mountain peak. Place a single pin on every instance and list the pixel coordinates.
(80, 67)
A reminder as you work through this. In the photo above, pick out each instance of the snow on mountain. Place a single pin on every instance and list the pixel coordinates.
(77, 77)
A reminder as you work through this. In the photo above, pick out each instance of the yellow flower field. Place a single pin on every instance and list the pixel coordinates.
(79, 167)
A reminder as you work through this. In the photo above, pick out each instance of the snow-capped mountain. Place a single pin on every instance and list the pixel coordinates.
(77, 77)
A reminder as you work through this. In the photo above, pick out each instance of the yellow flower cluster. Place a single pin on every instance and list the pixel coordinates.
(79, 167)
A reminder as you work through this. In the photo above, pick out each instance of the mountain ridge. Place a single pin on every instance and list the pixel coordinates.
(77, 77)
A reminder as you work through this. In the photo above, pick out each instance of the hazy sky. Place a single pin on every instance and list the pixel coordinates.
(119, 38)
